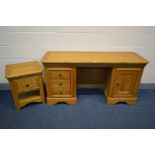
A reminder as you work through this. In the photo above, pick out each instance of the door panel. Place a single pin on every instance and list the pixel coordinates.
(125, 82)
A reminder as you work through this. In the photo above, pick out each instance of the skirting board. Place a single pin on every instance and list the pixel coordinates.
(5, 86)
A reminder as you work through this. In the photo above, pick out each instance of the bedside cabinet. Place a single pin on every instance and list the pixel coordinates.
(26, 82)
(60, 85)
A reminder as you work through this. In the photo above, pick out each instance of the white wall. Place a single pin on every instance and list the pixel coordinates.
(18, 44)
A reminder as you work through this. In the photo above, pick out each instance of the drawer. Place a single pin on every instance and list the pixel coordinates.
(60, 74)
(60, 83)
(60, 91)
(26, 84)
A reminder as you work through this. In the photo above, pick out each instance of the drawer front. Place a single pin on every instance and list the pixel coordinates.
(60, 91)
(60, 83)
(26, 84)
(60, 74)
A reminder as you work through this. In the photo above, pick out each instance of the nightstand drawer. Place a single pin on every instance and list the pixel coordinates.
(60, 74)
(26, 84)
(60, 83)
(60, 91)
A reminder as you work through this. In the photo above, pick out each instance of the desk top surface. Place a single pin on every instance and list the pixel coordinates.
(93, 57)
(22, 69)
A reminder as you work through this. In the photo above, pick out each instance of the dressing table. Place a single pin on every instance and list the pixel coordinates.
(118, 74)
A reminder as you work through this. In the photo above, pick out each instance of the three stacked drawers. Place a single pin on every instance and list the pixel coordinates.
(61, 85)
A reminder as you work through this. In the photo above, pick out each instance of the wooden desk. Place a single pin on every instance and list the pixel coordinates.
(117, 73)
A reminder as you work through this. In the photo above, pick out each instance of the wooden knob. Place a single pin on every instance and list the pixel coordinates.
(61, 92)
(60, 75)
(60, 84)
(27, 85)
(117, 84)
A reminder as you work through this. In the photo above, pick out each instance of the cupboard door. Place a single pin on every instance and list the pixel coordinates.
(125, 82)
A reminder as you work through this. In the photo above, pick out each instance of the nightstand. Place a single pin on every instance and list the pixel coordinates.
(26, 82)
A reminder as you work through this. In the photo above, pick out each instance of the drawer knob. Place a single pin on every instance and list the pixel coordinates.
(60, 84)
(27, 85)
(60, 75)
(117, 84)
(61, 92)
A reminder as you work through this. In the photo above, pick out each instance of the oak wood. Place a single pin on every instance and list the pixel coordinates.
(60, 74)
(88, 75)
(113, 100)
(93, 57)
(118, 73)
(100, 86)
(22, 69)
(60, 88)
(123, 85)
(68, 100)
(60, 83)
(26, 83)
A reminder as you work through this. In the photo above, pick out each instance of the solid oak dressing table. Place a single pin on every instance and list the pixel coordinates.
(118, 74)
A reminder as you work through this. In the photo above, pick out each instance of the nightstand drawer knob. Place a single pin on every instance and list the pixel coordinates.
(60, 75)
(61, 92)
(27, 85)
(60, 84)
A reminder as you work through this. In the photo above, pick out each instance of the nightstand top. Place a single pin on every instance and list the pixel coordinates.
(22, 69)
